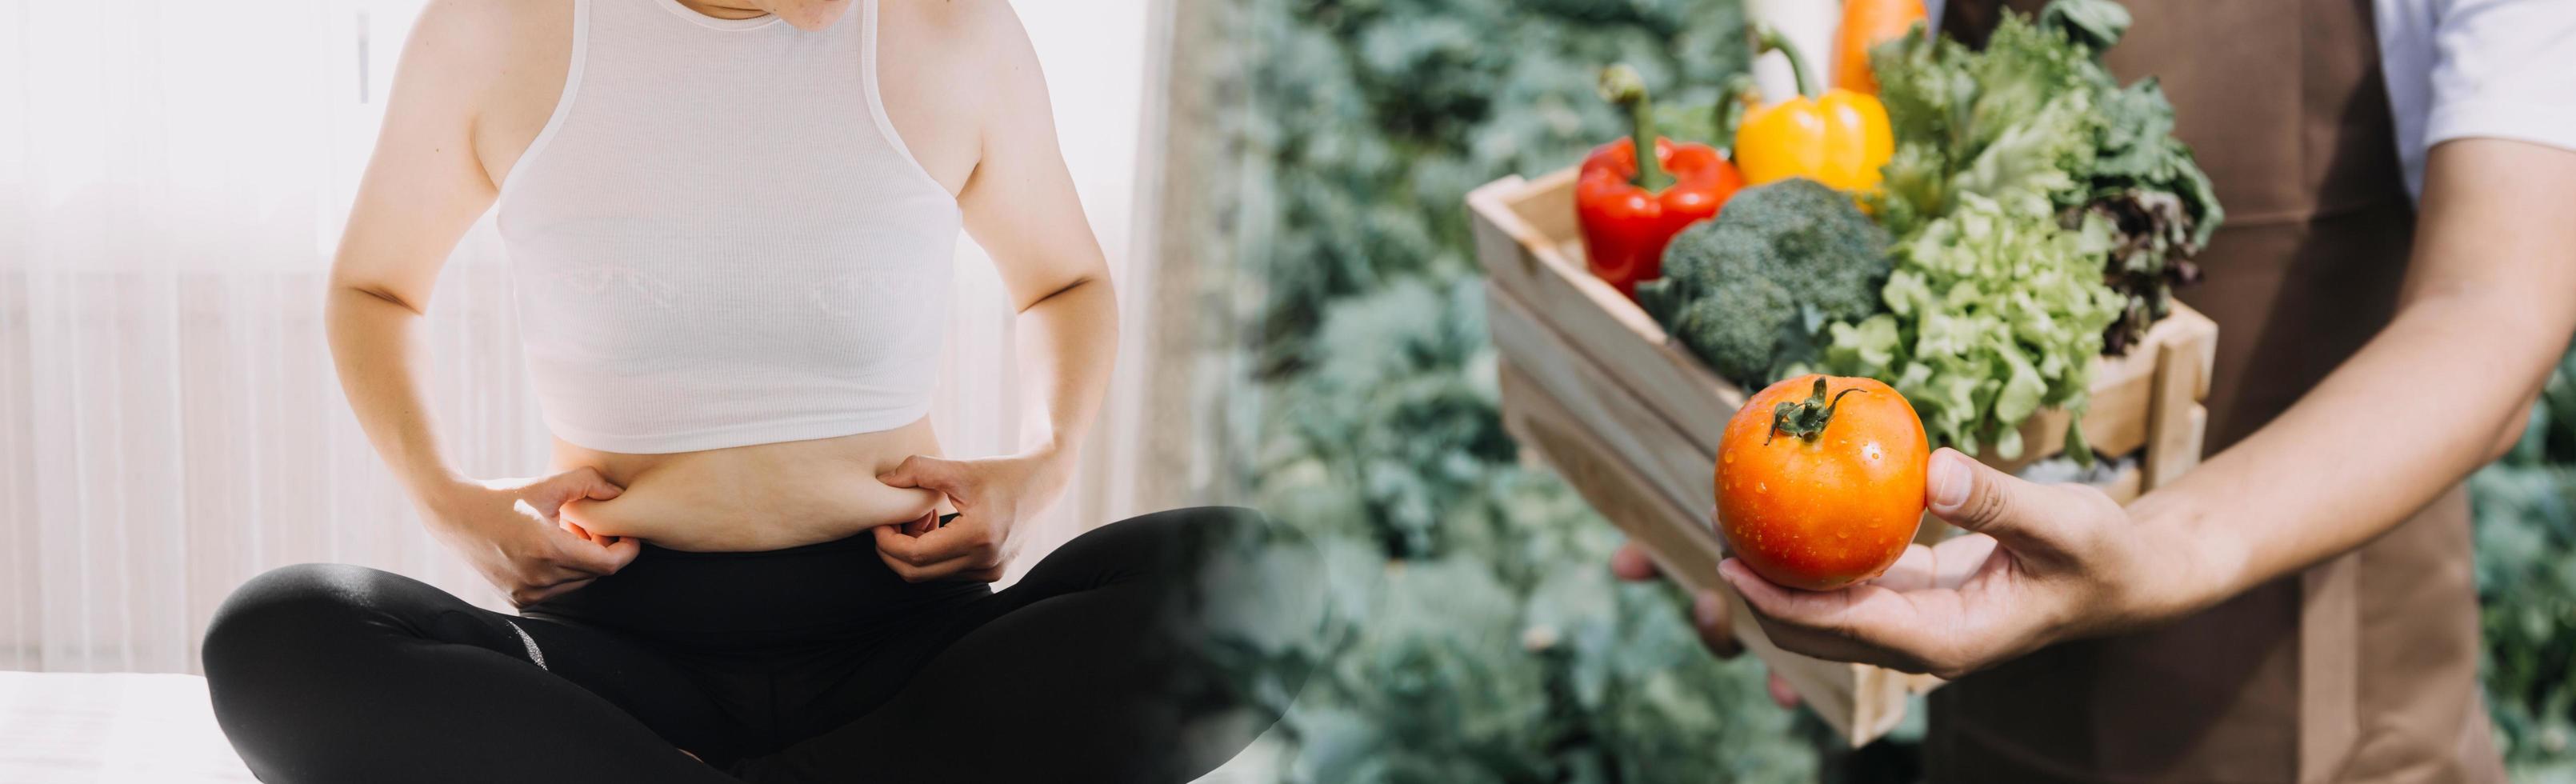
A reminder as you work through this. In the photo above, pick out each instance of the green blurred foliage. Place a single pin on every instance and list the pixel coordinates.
(1477, 635)
(2526, 544)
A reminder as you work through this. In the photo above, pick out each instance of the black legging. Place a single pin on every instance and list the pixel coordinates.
(815, 663)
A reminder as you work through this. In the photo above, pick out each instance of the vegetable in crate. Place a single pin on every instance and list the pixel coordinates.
(2035, 120)
(1629, 208)
(1994, 312)
(1821, 492)
(1751, 291)
(1865, 24)
(1839, 138)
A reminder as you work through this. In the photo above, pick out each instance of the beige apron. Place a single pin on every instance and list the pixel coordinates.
(2363, 668)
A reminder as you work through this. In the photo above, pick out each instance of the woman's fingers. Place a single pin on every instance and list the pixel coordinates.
(964, 548)
(596, 556)
(960, 566)
(928, 522)
(934, 546)
(926, 472)
(578, 483)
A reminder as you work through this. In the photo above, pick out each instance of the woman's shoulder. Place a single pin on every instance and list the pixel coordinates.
(491, 27)
(959, 74)
(494, 67)
(477, 43)
(969, 32)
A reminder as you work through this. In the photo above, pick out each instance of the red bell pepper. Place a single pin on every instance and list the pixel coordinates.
(1629, 209)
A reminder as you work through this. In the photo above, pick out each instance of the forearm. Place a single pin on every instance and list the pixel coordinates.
(380, 357)
(2442, 390)
(1068, 344)
(2416, 410)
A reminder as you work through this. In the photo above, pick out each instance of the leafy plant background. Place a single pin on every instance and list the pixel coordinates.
(1477, 635)
(2526, 544)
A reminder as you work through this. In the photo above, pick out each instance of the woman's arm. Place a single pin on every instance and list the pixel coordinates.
(2487, 311)
(422, 189)
(1020, 206)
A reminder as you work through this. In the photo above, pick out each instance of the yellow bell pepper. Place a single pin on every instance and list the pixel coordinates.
(1839, 139)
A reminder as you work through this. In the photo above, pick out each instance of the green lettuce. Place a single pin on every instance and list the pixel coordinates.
(1993, 312)
(2043, 212)
(2036, 116)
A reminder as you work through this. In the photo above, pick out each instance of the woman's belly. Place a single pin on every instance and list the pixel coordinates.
(758, 497)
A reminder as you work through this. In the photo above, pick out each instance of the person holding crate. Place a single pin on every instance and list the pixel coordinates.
(2395, 281)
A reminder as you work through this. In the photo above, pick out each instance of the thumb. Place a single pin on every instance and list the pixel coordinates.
(1972, 495)
(584, 482)
(921, 471)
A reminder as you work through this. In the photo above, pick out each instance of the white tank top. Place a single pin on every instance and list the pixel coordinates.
(719, 240)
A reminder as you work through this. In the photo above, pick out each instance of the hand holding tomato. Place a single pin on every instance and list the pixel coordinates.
(2043, 563)
(2040, 564)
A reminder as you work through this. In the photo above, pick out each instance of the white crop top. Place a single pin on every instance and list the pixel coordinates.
(719, 240)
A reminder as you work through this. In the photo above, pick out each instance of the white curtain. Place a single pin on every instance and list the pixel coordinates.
(173, 177)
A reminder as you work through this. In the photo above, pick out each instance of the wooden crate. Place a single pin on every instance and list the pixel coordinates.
(1631, 419)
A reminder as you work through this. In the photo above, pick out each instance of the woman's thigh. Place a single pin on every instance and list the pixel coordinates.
(1101, 664)
(326, 672)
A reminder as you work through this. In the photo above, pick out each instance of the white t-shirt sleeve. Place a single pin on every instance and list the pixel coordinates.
(2504, 69)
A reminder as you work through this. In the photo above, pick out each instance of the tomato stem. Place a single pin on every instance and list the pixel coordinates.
(1807, 418)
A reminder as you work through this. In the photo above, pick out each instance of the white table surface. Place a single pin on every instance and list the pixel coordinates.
(126, 728)
(157, 728)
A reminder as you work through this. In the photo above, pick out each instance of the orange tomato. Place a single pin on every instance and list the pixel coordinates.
(1867, 23)
(1820, 481)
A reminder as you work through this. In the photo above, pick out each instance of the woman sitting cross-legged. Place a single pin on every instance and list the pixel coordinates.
(730, 224)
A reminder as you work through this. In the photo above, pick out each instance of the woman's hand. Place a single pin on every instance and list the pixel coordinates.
(2043, 563)
(512, 531)
(992, 495)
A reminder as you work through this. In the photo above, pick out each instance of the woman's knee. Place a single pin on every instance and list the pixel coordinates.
(1170, 543)
(1202, 530)
(1227, 556)
(291, 608)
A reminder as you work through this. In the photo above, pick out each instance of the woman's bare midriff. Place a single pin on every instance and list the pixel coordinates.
(758, 497)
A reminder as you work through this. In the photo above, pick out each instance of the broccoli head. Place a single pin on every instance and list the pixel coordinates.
(1749, 290)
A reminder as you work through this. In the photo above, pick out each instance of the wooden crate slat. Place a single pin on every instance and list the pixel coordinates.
(1860, 702)
(1682, 470)
(1588, 312)
(2176, 421)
